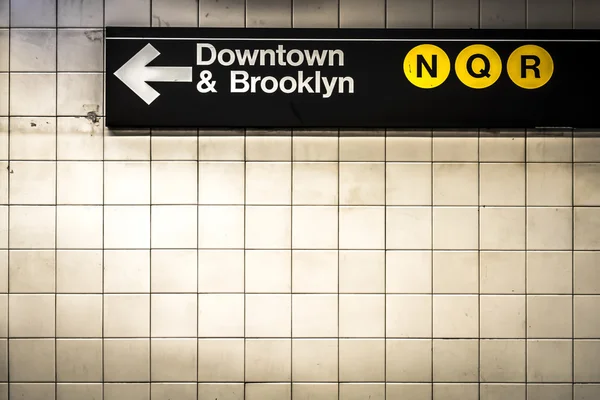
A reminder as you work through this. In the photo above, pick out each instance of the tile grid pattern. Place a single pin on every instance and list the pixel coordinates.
(339, 163)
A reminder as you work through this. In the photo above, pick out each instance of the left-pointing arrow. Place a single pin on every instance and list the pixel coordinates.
(135, 73)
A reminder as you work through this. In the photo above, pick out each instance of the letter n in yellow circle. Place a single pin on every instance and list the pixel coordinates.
(530, 67)
(426, 66)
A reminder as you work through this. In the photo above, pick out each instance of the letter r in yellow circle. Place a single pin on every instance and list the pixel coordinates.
(478, 66)
(427, 66)
(530, 67)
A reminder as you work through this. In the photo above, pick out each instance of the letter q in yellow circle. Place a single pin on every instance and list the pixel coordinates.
(427, 66)
(530, 67)
(478, 66)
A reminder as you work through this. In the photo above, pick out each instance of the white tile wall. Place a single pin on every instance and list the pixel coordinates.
(318, 265)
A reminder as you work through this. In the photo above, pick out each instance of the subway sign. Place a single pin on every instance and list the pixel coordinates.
(351, 78)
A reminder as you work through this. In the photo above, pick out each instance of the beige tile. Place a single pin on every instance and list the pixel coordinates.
(268, 391)
(549, 149)
(220, 315)
(268, 148)
(32, 360)
(455, 272)
(174, 148)
(314, 227)
(315, 183)
(126, 271)
(220, 360)
(79, 227)
(32, 227)
(79, 271)
(361, 360)
(587, 361)
(220, 271)
(362, 183)
(79, 316)
(503, 228)
(502, 184)
(167, 391)
(268, 271)
(448, 177)
(549, 272)
(314, 271)
(35, 138)
(586, 149)
(174, 182)
(587, 236)
(130, 391)
(408, 316)
(268, 360)
(361, 271)
(361, 228)
(502, 361)
(268, 227)
(587, 272)
(362, 315)
(221, 183)
(446, 149)
(78, 391)
(549, 184)
(409, 391)
(226, 148)
(126, 315)
(550, 391)
(549, 361)
(126, 360)
(268, 183)
(173, 360)
(124, 147)
(408, 148)
(174, 227)
(408, 272)
(79, 360)
(549, 228)
(362, 148)
(220, 227)
(313, 148)
(314, 360)
(173, 271)
(587, 391)
(455, 360)
(408, 184)
(33, 391)
(357, 391)
(32, 182)
(408, 228)
(455, 228)
(502, 317)
(586, 184)
(499, 391)
(31, 271)
(127, 183)
(453, 391)
(76, 139)
(127, 227)
(314, 315)
(268, 315)
(408, 360)
(79, 182)
(31, 315)
(502, 149)
(502, 272)
(173, 315)
(587, 309)
(315, 391)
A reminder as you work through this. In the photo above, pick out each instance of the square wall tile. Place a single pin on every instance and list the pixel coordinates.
(502, 272)
(31, 271)
(221, 183)
(362, 183)
(408, 316)
(549, 272)
(447, 177)
(361, 228)
(455, 316)
(549, 228)
(221, 315)
(90, 13)
(549, 149)
(126, 360)
(126, 271)
(32, 360)
(171, 227)
(362, 315)
(79, 227)
(549, 316)
(362, 148)
(587, 272)
(33, 138)
(31, 315)
(408, 272)
(79, 360)
(174, 182)
(126, 315)
(79, 182)
(314, 271)
(127, 13)
(314, 360)
(220, 360)
(220, 271)
(174, 271)
(268, 183)
(408, 184)
(32, 227)
(455, 272)
(502, 184)
(268, 271)
(315, 148)
(268, 391)
(32, 182)
(268, 227)
(408, 228)
(408, 148)
(450, 149)
(361, 360)
(549, 184)
(586, 362)
(315, 183)
(494, 149)
(315, 391)
(268, 360)
(33, 13)
(223, 148)
(268, 147)
(502, 228)
(408, 360)
(221, 227)
(455, 228)
(502, 317)
(314, 227)
(455, 360)
(268, 315)
(127, 183)
(33, 50)
(127, 227)
(79, 271)
(314, 316)
(33, 94)
(79, 316)
(586, 186)
(502, 360)
(173, 315)
(587, 236)
(586, 325)
(549, 361)
(361, 271)
(173, 360)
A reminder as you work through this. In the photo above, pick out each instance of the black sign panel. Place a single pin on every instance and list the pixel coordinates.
(351, 78)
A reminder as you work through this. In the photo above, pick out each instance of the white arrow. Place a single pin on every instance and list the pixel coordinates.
(135, 74)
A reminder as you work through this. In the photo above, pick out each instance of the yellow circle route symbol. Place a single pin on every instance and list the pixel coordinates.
(478, 66)
(530, 67)
(426, 66)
